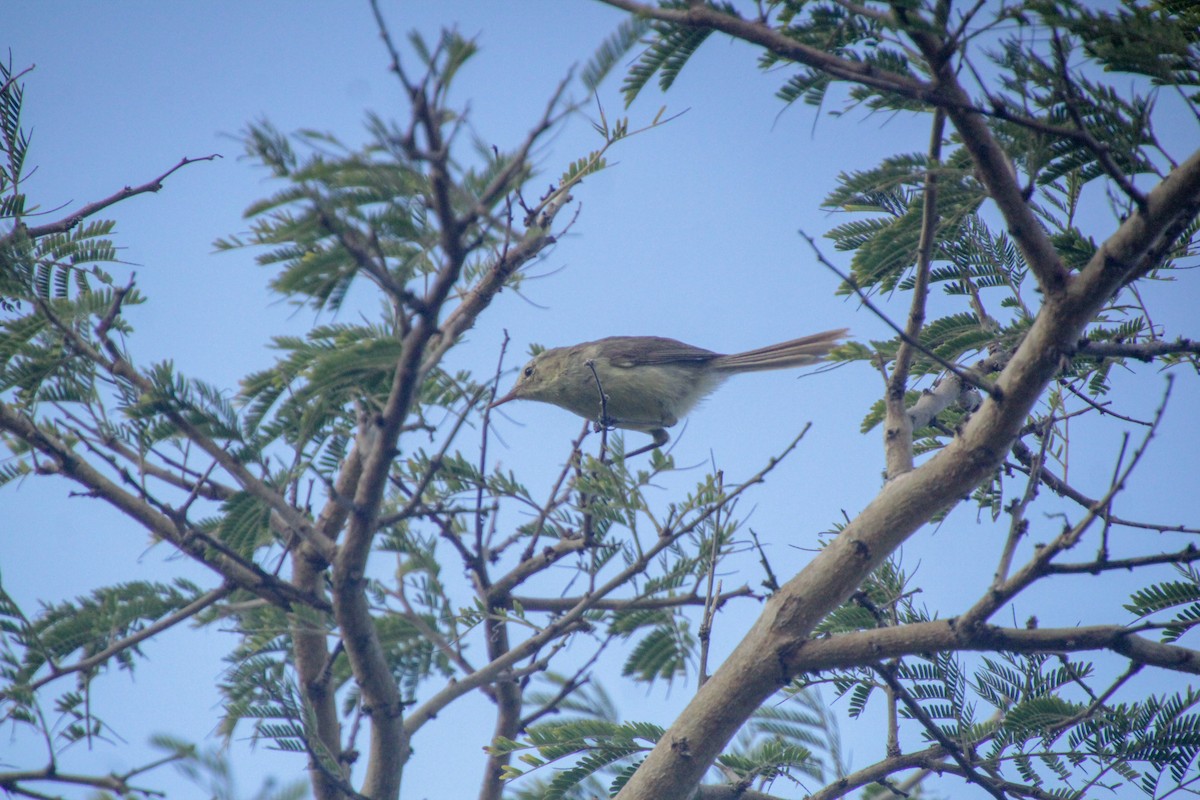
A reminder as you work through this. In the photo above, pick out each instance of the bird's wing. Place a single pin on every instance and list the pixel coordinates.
(638, 351)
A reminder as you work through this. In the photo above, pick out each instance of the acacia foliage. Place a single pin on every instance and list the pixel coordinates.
(1039, 114)
(338, 497)
(352, 450)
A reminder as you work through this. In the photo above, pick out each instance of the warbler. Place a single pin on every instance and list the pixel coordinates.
(647, 383)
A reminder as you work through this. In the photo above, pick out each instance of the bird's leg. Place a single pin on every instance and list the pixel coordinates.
(605, 422)
(661, 437)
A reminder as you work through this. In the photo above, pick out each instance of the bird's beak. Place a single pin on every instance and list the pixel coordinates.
(510, 396)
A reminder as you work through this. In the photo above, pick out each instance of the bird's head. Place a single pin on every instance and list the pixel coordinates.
(540, 379)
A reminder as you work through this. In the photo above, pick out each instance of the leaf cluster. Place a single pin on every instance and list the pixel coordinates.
(85, 636)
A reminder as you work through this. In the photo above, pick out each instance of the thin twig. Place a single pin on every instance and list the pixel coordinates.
(1103, 407)
(182, 615)
(1019, 525)
(67, 223)
(604, 422)
(1061, 487)
(964, 375)
(770, 582)
(936, 733)
(572, 620)
(556, 605)
(1099, 149)
(1038, 565)
(705, 631)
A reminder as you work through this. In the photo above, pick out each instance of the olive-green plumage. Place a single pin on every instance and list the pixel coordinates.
(649, 383)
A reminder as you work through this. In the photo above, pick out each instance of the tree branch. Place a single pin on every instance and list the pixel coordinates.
(898, 427)
(864, 648)
(555, 605)
(67, 223)
(750, 675)
(1142, 351)
(571, 620)
(937, 734)
(119, 367)
(994, 168)
(182, 615)
(244, 574)
(760, 33)
(1059, 486)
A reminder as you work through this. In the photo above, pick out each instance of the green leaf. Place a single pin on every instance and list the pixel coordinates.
(612, 50)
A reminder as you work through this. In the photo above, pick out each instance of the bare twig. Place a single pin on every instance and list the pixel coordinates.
(1103, 407)
(964, 375)
(711, 591)
(935, 732)
(1038, 564)
(603, 422)
(556, 605)
(1072, 102)
(572, 619)
(1019, 525)
(770, 582)
(182, 615)
(67, 223)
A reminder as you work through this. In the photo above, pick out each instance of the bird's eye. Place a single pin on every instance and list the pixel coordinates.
(528, 371)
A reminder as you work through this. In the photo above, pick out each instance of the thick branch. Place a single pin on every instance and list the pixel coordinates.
(1142, 351)
(507, 697)
(423, 346)
(376, 448)
(865, 648)
(751, 674)
(310, 638)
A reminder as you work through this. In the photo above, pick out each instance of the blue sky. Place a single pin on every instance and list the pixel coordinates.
(692, 234)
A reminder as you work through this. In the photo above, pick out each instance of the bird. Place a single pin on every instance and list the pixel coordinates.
(648, 383)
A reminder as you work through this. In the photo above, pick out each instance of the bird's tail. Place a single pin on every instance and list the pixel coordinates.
(795, 353)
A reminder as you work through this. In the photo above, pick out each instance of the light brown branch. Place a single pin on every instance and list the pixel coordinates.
(1142, 351)
(864, 648)
(751, 674)
(555, 605)
(898, 426)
